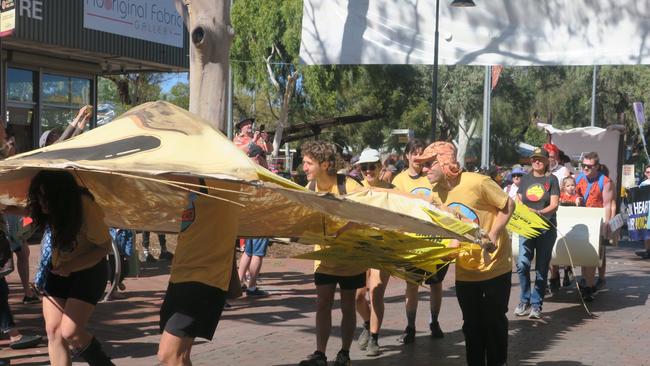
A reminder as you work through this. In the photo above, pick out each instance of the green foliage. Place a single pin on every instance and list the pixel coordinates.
(179, 94)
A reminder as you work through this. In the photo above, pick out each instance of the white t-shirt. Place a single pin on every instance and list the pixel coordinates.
(511, 190)
(560, 172)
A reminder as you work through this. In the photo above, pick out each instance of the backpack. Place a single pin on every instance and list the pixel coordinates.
(601, 184)
(340, 183)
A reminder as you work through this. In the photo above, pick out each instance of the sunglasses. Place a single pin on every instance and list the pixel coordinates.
(366, 166)
(588, 166)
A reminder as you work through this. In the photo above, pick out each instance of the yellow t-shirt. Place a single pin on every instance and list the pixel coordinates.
(329, 267)
(380, 184)
(418, 186)
(93, 234)
(478, 198)
(206, 242)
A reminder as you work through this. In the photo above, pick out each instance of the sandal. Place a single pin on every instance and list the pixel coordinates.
(26, 342)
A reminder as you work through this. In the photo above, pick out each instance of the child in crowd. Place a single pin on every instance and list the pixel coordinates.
(568, 195)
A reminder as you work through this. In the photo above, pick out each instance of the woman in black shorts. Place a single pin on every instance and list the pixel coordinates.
(77, 278)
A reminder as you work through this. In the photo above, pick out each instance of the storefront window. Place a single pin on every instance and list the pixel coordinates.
(19, 126)
(20, 85)
(63, 96)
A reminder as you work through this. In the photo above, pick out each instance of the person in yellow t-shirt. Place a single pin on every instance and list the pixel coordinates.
(200, 274)
(319, 164)
(77, 278)
(372, 313)
(483, 277)
(415, 182)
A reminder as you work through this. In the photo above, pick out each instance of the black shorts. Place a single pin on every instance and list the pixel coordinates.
(87, 285)
(345, 282)
(437, 277)
(191, 310)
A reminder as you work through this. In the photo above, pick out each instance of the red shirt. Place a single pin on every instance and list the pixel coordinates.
(595, 198)
(568, 198)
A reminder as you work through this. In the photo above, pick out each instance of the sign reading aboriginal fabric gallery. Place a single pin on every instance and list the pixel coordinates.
(149, 20)
(638, 208)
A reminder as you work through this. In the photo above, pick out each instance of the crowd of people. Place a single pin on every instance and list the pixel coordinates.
(72, 275)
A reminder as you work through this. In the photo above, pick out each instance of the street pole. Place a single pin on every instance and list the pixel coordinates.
(487, 97)
(434, 89)
(593, 96)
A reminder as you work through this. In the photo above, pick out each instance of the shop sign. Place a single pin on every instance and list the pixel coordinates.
(7, 17)
(149, 20)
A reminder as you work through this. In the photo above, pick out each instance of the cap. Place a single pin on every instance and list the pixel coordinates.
(539, 153)
(369, 156)
(243, 121)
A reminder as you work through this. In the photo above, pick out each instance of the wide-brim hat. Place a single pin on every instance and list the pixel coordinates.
(517, 171)
(243, 121)
(369, 156)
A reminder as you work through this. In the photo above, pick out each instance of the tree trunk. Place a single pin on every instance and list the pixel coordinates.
(208, 23)
(464, 136)
(284, 113)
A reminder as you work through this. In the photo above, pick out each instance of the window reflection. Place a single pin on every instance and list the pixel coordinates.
(20, 85)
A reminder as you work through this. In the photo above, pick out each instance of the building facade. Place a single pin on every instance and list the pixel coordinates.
(53, 57)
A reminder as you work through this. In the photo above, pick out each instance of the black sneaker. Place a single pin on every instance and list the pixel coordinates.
(256, 292)
(408, 336)
(150, 258)
(31, 300)
(644, 254)
(587, 293)
(315, 359)
(600, 284)
(342, 359)
(436, 332)
(166, 256)
(554, 285)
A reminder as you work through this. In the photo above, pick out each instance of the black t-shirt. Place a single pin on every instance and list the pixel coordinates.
(536, 192)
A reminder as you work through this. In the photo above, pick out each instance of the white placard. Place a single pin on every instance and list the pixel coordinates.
(580, 226)
(149, 20)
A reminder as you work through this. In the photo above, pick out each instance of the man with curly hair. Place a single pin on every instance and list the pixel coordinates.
(319, 164)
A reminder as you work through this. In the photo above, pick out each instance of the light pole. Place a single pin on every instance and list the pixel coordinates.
(434, 89)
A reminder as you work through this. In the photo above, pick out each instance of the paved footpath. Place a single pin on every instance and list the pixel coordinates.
(279, 330)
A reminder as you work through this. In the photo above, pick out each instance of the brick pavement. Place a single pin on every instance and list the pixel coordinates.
(279, 330)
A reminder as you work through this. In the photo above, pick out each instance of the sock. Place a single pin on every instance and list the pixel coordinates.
(410, 319)
(434, 316)
(345, 352)
(375, 336)
(320, 354)
(366, 325)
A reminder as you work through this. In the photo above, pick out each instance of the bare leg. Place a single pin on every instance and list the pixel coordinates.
(73, 323)
(22, 262)
(411, 303)
(589, 274)
(349, 319)
(435, 300)
(378, 283)
(254, 270)
(57, 346)
(325, 300)
(175, 350)
(363, 308)
(244, 263)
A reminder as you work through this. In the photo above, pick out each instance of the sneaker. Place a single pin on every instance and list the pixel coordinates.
(554, 285)
(342, 359)
(31, 300)
(315, 359)
(600, 284)
(644, 254)
(256, 292)
(226, 305)
(26, 341)
(522, 309)
(362, 341)
(408, 336)
(373, 348)
(436, 332)
(150, 258)
(535, 313)
(568, 277)
(166, 256)
(587, 293)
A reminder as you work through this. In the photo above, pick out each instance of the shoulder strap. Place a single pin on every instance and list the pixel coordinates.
(204, 188)
(340, 183)
(601, 182)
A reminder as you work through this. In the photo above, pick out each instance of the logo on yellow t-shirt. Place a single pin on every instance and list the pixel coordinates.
(188, 213)
(535, 192)
(421, 191)
(465, 211)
